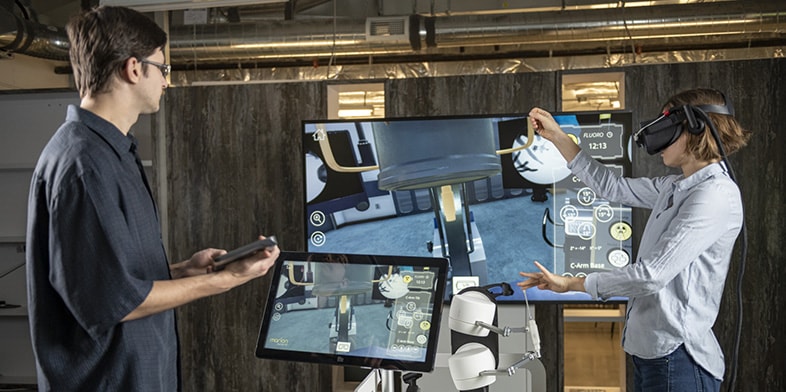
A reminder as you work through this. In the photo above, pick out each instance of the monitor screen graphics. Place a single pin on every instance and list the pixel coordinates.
(354, 310)
(446, 187)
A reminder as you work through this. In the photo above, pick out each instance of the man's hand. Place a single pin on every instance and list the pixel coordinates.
(256, 265)
(192, 279)
(200, 263)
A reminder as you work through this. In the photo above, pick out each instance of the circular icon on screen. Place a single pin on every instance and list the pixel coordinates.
(586, 230)
(317, 218)
(421, 339)
(318, 238)
(620, 231)
(603, 213)
(568, 212)
(618, 258)
(585, 196)
(425, 325)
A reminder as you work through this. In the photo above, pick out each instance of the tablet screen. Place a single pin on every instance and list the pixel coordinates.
(371, 311)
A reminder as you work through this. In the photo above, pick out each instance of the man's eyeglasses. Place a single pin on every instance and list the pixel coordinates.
(165, 68)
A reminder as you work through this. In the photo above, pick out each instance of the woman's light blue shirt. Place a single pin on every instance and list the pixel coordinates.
(676, 284)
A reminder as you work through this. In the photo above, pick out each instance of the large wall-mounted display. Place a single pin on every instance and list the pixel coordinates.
(483, 191)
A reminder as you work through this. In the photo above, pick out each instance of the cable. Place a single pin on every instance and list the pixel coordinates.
(738, 327)
(743, 256)
(527, 314)
(14, 268)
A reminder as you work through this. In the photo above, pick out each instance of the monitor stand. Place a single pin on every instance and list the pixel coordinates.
(378, 380)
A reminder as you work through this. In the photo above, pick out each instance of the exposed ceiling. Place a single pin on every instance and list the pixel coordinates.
(306, 32)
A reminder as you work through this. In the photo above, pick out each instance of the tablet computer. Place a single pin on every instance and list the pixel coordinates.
(243, 252)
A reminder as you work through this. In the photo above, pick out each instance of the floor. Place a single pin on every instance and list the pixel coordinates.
(594, 360)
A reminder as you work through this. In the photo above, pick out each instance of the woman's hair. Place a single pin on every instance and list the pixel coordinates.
(703, 146)
(103, 38)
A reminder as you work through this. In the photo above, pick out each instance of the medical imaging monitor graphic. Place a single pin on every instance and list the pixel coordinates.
(357, 310)
(485, 192)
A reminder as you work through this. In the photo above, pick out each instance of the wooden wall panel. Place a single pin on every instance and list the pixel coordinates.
(472, 94)
(232, 174)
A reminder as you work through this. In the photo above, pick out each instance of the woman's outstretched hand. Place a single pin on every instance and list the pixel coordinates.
(546, 280)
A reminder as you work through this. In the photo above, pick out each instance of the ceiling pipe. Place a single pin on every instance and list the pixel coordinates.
(19, 33)
(671, 27)
(295, 42)
(278, 40)
(696, 24)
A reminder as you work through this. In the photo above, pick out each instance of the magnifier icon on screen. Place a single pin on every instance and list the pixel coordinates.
(317, 218)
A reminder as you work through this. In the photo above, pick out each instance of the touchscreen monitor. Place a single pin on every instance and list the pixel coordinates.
(371, 311)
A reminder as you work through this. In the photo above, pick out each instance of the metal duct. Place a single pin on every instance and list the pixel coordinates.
(21, 35)
(276, 41)
(665, 27)
(298, 42)
(671, 27)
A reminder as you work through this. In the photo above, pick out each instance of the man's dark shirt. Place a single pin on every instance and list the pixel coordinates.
(94, 249)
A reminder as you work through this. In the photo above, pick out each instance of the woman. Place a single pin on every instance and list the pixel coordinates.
(676, 283)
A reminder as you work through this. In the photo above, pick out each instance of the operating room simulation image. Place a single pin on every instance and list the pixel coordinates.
(337, 308)
(483, 191)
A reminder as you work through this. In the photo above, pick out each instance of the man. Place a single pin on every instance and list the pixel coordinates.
(100, 288)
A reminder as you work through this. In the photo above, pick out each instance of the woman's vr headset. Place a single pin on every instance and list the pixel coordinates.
(655, 135)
